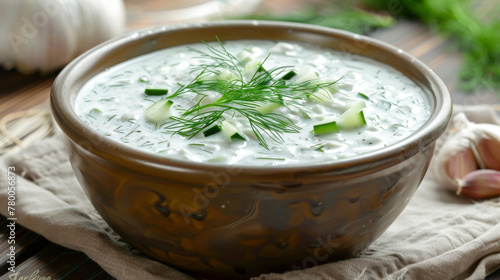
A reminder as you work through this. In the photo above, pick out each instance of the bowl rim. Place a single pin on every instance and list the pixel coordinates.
(104, 147)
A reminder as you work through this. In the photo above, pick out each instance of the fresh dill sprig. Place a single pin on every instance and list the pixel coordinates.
(222, 58)
(240, 96)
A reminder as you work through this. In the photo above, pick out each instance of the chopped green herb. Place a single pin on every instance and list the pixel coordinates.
(270, 158)
(364, 96)
(320, 149)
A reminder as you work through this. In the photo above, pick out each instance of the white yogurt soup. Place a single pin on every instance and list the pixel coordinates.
(253, 102)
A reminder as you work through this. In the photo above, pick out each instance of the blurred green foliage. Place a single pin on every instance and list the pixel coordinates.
(478, 39)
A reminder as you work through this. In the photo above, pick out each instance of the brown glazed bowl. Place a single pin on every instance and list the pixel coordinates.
(221, 221)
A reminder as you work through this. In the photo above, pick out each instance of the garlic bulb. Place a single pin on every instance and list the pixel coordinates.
(44, 35)
(471, 147)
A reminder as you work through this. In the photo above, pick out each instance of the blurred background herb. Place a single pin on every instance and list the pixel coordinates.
(336, 14)
(478, 38)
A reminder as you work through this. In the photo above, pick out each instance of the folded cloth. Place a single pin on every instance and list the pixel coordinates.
(438, 236)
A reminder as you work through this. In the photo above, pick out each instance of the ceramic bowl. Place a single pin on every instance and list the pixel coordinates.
(223, 221)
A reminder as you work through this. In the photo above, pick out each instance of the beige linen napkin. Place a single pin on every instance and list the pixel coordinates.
(438, 236)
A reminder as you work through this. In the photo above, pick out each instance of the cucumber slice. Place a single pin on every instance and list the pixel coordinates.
(155, 91)
(355, 106)
(226, 75)
(268, 108)
(251, 68)
(353, 117)
(159, 111)
(262, 76)
(326, 128)
(255, 71)
(306, 73)
(321, 96)
(212, 130)
(244, 57)
(289, 75)
(353, 120)
(230, 131)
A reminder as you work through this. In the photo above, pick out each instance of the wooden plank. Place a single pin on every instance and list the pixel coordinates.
(20, 92)
(36, 256)
(61, 263)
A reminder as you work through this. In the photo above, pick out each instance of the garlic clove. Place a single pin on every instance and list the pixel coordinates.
(457, 165)
(488, 145)
(458, 155)
(483, 183)
(470, 146)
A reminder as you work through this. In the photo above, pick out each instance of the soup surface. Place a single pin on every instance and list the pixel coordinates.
(253, 103)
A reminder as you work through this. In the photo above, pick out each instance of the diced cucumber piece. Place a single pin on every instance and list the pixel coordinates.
(329, 84)
(155, 91)
(344, 86)
(226, 75)
(353, 117)
(262, 76)
(159, 111)
(268, 108)
(321, 96)
(212, 130)
(244, 57)
(353, 120)
(251, 68)
(255, 70)
(326, 128)
(306, 73)
(282, 48)
(289, 75)
(355, 106)
(231, 132)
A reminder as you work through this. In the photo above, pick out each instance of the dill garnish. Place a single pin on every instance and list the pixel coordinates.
(240, 94)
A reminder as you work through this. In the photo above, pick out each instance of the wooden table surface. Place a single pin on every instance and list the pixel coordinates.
(19, 92)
